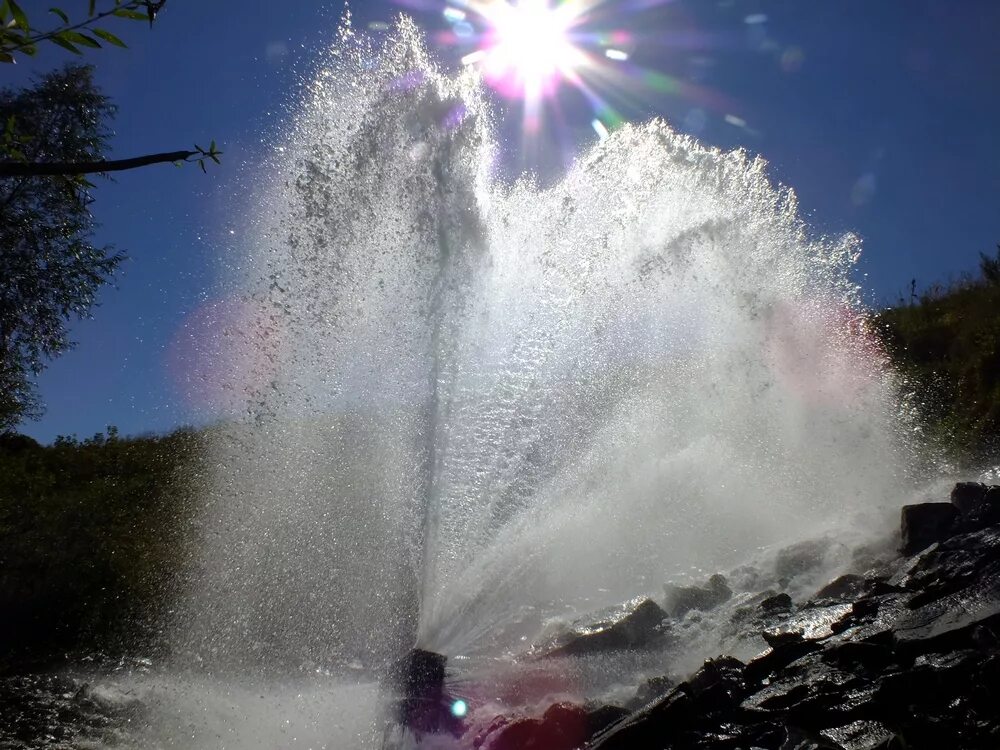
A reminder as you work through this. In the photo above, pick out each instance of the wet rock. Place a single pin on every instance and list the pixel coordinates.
(849, 586)
(924, 524)
(562, 727)
(718, 686)
(967, 496)
(860, 656)
(872, 663)
(652, 726)
(599, 719)
(810, 623)
(815, 695)
(682, 599)
(779, 638)
(777, 603)
(801, 558)
(977, 504)
(860, 735)
(799, 739)
(55, 711)
(650, 690)
(637, 624)
(951, 565)
(777, 658)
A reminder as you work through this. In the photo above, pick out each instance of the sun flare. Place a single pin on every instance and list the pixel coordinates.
(528, 49)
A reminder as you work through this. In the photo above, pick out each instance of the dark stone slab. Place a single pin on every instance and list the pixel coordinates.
(924, 524)
(682, 599)
(637, 624)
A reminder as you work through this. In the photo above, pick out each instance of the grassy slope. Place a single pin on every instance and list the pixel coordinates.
(948, 346)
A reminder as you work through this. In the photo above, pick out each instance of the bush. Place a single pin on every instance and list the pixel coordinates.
(93, 535)
(947, 343)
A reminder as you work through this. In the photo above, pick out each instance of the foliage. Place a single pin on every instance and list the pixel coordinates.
(20, 36)
(92, 536)
(49, 266)
(947, 343)
(51, 137)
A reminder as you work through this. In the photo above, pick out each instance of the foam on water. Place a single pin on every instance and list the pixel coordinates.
(461, 398)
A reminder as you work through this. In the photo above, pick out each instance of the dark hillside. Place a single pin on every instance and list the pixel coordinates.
(92, 534)
(947, 344)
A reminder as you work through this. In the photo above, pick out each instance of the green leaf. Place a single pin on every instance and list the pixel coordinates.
(6, 58)
(93, 7)
(77, 38)
(109, 37)
(19, 16)
(4, 10)
(201, 163)
(58, 39)
(131, 14)
(62, 16)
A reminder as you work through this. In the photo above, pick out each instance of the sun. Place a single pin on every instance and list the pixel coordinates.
(527, 50)
(533, 51)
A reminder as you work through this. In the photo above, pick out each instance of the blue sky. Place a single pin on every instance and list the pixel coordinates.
(882, 114)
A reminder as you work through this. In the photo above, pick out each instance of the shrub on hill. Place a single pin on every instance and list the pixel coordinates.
(93, 535)
(947, 344)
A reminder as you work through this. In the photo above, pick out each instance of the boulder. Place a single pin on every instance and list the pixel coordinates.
(977, 504)
(650, 690)
(718, 686)
(801, 558)
(563, 727)
(849, 586)
(637, 624)
(966, 496)
(924, 524)
(602, 717)
(777, 603)
(682, 599)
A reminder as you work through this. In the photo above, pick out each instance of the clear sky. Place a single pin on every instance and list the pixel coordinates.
(882, 114)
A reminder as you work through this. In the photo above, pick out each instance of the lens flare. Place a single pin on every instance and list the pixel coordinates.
(459, 708)
(533, 51)
(528, 48)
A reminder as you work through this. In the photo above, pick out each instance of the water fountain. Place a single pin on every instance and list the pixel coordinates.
(469, 408)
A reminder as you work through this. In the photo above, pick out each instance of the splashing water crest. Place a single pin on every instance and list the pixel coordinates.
(468, 398)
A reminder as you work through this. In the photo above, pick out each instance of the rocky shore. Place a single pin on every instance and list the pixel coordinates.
(905, 654)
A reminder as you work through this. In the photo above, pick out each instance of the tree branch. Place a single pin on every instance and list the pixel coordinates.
(47, 169)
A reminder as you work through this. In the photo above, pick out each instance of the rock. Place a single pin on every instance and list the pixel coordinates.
(798, 739)
(977, 504)
(717, 686)
(682, 599)
(765, 666)
(562, 727)
(776, 603)
(779, 638)
(967, 496)
(810, 623)
(637, 624)
(599, 719)
(846, 587)
(650, 727)
(800, 558)
(859, 656)
(860, 735)
(924, 524)
(653, 688)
